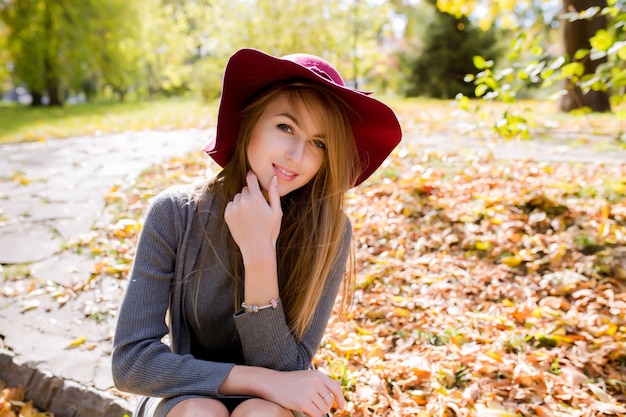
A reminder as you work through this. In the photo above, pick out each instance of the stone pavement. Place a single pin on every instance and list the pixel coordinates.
(53, 191)
(50, 192)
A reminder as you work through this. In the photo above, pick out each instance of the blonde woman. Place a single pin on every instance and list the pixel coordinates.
(242, 271)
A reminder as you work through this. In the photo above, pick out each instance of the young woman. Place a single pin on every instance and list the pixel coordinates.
(234, 280)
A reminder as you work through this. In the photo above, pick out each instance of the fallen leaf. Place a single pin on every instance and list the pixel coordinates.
(76, 342)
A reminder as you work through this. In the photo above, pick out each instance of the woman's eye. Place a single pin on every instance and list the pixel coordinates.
(285, 128)
(320, 144)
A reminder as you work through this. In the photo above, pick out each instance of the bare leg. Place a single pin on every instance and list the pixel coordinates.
(199, 407)
(257, 407)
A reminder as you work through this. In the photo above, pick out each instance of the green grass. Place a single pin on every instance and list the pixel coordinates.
(26, 124)
(419, 116)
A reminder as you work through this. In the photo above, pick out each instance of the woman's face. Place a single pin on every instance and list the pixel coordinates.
(287, 142)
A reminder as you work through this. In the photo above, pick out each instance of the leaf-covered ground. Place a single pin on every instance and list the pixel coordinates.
(14, 404)
(485, 288)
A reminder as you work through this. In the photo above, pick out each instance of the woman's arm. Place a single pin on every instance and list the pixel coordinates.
(254, 225)
(268, 341)
(141, 362)
(266, 338)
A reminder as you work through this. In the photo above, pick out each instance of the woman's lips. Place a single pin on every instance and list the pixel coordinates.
(283, 173)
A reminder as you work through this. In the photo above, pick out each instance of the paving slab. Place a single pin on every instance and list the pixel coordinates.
(16, 243)
(66, 269)
(557, 149)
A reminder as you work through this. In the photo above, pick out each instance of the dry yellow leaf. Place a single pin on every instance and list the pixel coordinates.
(76, 342)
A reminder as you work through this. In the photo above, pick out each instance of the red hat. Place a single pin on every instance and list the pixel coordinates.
(375, 127)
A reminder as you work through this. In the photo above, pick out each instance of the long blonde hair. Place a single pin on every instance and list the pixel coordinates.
(314, 222)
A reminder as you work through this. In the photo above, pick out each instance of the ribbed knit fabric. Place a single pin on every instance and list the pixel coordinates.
(174, 244)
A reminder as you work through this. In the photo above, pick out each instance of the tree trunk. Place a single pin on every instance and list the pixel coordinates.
(37, 99)
(576, 36)
(50, 71)
(53, 94)
(52, 85)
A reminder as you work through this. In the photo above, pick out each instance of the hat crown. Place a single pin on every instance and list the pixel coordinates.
(317, 65)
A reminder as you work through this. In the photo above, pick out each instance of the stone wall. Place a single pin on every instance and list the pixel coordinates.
(61, 397)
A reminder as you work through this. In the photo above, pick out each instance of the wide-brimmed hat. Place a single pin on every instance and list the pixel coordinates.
(375, 127)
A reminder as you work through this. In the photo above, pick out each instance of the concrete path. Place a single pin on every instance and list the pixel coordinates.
(53, 191)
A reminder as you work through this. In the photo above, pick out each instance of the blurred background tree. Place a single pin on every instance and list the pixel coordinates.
(591, 53)
(100, 50)
(5, 67)
(449, 44)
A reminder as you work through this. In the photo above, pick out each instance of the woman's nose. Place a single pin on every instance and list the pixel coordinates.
(295, 152)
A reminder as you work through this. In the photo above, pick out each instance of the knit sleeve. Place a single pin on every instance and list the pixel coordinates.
(266, 338)
(141, 362)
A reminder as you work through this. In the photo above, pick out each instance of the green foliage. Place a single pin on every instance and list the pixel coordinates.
(449, 45)
(608, 44)
(23, 21)
(118, 49)
(345, 33)
(59, 47)
(539, 69)
(207, 77)
(4, 59)
(508, 83)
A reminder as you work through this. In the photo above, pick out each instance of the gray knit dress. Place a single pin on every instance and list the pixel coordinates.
(166, 298)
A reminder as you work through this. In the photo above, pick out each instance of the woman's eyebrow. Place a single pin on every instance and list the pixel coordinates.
(294, 119)
(291, 117)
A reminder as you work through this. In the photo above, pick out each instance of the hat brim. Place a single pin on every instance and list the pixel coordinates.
(375, 127)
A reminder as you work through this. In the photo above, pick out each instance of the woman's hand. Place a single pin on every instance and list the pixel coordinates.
(311, 392)
(253, 222)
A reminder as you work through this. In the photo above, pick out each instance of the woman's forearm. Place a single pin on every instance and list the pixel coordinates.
(246, 380)
(261, 276)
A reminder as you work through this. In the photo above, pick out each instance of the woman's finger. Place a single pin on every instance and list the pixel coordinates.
(329, 399)
(253, 184)
(337, 395)
(320, 405)
(274, 196)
